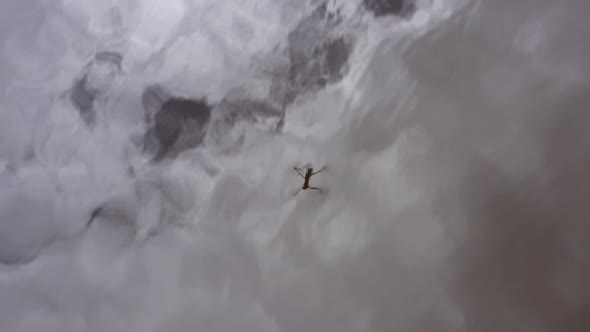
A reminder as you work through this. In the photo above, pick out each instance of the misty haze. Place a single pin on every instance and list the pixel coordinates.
(294, 166)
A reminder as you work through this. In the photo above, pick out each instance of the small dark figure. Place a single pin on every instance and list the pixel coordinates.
(306, 176)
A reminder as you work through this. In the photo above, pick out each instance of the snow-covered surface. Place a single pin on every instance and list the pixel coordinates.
(455, 195)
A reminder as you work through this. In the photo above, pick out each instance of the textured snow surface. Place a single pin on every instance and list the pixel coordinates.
(457, 141)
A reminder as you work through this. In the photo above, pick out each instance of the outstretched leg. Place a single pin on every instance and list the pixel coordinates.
(299, 171)
(314, 188)
(323, 168)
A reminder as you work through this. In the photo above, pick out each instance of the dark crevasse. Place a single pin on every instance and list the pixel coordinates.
(380, 8)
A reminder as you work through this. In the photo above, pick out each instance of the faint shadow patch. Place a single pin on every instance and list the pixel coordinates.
(98, 75)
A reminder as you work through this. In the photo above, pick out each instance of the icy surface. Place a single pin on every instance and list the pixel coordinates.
(456, 139)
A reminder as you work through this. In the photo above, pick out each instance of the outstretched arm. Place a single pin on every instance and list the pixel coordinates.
(323, 168)
(299, 171)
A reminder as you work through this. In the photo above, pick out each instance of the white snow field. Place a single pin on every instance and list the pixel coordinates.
(456, 136)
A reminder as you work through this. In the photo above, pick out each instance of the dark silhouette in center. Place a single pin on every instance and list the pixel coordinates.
(306, 177)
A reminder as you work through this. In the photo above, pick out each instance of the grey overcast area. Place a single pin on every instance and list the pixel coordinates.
(294, 166)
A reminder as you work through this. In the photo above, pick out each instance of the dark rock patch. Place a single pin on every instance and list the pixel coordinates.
(317, 55)
(179, 124)
(83, 99)
(402, 8)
